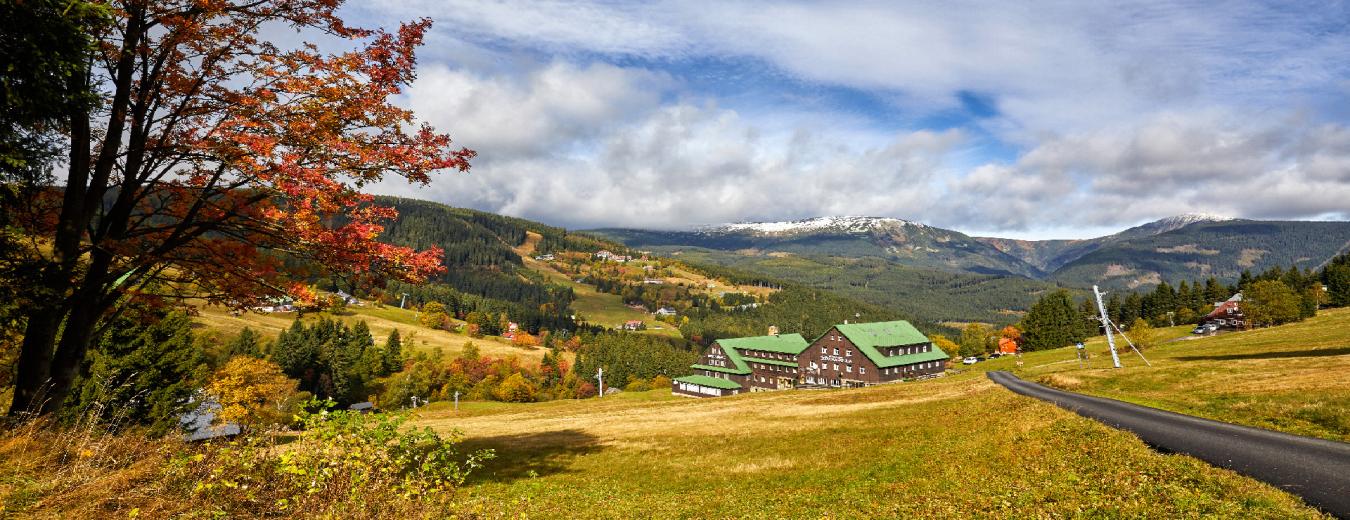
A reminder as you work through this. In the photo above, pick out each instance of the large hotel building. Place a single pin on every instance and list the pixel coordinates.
(848, 355)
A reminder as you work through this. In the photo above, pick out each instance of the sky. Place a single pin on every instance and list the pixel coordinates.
(1025, 120)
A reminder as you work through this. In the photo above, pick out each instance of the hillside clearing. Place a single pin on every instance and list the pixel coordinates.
(381, 320)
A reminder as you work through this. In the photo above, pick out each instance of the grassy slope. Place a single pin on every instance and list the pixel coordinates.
(958, 446)
(1293, 378)
(380, 320)
(597, 307)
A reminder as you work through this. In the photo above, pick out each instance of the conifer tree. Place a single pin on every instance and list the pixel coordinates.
(393, 353)
(247, 343)
(144, 371)
(1052, 323)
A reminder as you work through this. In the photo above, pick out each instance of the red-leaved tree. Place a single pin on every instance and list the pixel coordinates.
(213, 158)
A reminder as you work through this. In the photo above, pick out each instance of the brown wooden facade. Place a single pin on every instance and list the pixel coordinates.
(834, 360)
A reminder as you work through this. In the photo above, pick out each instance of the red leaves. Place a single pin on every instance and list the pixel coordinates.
(252, 156)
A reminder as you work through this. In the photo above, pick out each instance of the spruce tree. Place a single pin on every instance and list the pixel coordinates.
(144, 370)
(1052, 323)
(393, 353)
(247, 343)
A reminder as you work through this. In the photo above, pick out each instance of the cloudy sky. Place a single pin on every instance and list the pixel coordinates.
(1056, 120)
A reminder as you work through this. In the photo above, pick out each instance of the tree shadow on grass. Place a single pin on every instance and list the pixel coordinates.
(1323, 352)
(531, 454)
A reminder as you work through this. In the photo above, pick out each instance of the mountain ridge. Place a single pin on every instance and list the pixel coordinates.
(1185, 246)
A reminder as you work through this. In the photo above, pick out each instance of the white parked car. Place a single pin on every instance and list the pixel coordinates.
(970, 360)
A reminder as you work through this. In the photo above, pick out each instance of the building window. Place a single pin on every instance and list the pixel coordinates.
(823, 350)
(836, 367)
(848, 352)
(862, 370)
(848, 368)
(836, 351)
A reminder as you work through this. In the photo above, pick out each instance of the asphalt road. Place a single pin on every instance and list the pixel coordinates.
(1316, 469)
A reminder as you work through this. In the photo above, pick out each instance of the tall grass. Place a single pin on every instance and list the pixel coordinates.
(340, 464)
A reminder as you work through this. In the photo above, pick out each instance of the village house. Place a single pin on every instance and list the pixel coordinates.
(665, 311)
(633, 325)
(862, 354)
(1227, 314)
(848, 355)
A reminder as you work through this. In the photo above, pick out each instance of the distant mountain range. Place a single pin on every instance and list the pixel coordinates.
(1182, 247)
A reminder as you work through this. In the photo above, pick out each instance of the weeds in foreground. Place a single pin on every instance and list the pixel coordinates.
(341, 463)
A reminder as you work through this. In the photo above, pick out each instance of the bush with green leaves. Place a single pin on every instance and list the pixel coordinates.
(371, 463)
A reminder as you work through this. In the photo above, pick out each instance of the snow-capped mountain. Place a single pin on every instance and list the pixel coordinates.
(1173, 223)
(845, 224)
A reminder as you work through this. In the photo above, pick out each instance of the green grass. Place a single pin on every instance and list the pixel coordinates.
(954, 447)
(1293, 378)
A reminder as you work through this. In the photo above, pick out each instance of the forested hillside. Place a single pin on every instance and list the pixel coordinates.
(1221, 249)
(941, 275)
(907, 243)
(925, 295)
(487, 279)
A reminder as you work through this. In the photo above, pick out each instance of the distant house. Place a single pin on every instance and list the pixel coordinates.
(1007, 346)
(665, 311)
(544, 258)
(511, 329)
(653, 281)
(347, 298)
(363, 407)
(200, 423)
(604, 254)
(633, 325)
(271, 305)
(1227, 314)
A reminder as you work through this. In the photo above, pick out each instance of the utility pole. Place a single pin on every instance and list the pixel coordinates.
(600, 374)
(457, 400)
(1106, 324)
(403, 300)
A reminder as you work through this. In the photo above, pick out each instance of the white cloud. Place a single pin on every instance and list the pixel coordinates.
(1120, 112)
(1170, 164)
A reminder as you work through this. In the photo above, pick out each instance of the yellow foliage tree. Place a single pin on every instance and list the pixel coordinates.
(251, 391)
(525, 340)
(434, 316)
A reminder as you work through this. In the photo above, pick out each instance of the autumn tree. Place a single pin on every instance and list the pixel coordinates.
(945, 344)
(211, 158)
(251, 392)
(1270, 302)
(975, 339)
(1143, 335)
(434, 316)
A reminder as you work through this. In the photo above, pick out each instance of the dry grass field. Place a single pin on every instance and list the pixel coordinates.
(957, 447)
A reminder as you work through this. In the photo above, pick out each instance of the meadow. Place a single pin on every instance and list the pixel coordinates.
(955, 447)
(1293, 378)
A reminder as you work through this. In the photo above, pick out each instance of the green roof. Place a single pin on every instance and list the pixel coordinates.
(869, 336)
(779, 362)
(710, 382)
(725, 370)
(781, 343)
